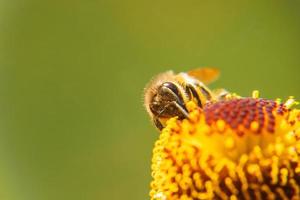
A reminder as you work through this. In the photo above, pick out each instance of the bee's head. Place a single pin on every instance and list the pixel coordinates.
(168, 101)
(164, 98)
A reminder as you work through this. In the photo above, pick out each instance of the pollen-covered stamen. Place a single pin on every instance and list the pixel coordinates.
(245, 114)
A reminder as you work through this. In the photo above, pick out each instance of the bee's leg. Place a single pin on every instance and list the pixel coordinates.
(220, 93)
(158, 124)
(192, 91)
(181, 109)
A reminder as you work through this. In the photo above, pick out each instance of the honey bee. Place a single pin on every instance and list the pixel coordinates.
(167, 94)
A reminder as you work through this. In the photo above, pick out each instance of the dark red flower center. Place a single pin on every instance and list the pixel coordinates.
(245, 111)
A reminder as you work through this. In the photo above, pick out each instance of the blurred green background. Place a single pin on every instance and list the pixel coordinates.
(72, 124)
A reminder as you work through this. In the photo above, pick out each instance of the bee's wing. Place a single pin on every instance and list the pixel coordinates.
(205, 75)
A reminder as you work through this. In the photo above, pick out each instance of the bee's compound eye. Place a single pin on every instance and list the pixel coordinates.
(172, 87)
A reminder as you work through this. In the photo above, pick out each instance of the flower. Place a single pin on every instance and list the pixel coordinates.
(238, 148)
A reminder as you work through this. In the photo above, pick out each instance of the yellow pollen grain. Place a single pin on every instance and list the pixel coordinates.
(284, 125)
(290, 137)
(274, 169)
(191, 106)
(233, 197)
(291, 102)
(193, 116)
(160, 196)
(284, 176)
(278, 101)
(253, 169)
(229, 143)
(255, 94)
(279, 148)
(221, 125)
(254, 126)
(297, 170)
